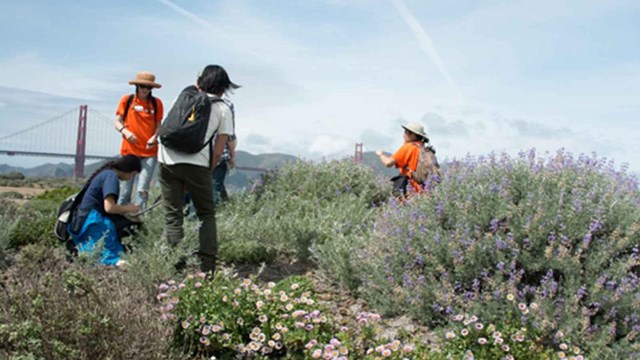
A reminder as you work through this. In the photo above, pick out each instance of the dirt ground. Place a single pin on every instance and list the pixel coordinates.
(26, 191)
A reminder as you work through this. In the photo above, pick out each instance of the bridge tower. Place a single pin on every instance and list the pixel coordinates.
(357, 158)
(81, 143)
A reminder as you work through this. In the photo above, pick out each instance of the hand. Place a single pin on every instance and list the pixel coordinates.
(130, 136)
(379, 152)
(231, 163)
(132, 208)
(153, 141)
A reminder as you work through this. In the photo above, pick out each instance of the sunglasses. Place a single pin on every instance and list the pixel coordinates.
(147, 87)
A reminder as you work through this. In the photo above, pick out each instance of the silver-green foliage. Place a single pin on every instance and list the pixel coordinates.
(151, 259)
(299, 208)
(561, 232)
(53, 309)
(8, 221)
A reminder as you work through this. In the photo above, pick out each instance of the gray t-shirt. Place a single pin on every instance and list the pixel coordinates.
(220, 122)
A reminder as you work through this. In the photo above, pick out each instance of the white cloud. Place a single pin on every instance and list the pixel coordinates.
(31, 72)
(315, 86)
(328, 145)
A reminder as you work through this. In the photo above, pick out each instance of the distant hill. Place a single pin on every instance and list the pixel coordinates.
(46, 170)
(239, 180)
(371, 159)
(242, 178)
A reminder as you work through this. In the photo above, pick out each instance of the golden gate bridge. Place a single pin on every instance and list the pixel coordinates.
(95, 139)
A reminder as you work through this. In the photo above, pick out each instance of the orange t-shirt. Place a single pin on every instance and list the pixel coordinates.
(407, 161)
(143, 122)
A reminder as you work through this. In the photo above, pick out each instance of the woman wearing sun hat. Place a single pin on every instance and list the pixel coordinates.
(407, 156)
(138, 119)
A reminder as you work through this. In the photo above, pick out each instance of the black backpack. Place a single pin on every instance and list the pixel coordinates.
(185, 127)
(65, 214)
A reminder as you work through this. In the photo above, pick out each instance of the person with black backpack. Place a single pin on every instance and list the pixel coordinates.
(192, 139)
(138, 120)
(415, 159)
(98, 216)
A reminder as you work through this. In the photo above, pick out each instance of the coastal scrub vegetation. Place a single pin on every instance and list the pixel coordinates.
(532, 257)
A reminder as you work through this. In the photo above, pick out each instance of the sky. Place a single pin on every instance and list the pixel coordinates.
(318, 76)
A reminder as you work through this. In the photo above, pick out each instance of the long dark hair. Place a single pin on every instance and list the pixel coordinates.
(214, 80)
(150, 91)
(127, 163)
(425, 142)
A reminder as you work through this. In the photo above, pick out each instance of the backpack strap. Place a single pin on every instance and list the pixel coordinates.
(126, 108)
(417, 144)
(210, 141)
(154, 104)
(78, 199)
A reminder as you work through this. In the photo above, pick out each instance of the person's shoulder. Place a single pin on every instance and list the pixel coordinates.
(103, 175)
(125, 97)
(157, 100)
(222, 105)
(110, 172)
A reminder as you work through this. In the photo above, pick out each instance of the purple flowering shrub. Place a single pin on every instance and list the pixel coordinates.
(562, 232)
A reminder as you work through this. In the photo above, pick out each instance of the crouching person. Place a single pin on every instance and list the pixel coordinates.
(99, 217)
(192, 139)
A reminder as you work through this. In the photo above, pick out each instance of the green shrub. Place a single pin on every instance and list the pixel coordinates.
(51, 309)
(58, 194)
(246, 252)
(151, 259)
(562, 233)
(299, 208)
(7, 224)
(48, 201)
(37, 218)
(11, 195)
(12, 176)
(34, 228)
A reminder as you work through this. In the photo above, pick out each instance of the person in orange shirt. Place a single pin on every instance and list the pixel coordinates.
(406, 158)
(138, 120)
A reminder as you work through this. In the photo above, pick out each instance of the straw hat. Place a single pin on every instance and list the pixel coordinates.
(145, 78)
(416, 129)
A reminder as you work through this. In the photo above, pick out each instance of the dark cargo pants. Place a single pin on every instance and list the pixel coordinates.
(174, 180)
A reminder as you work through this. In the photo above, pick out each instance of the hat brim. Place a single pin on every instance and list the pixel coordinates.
(414, 132)
(148, 83)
